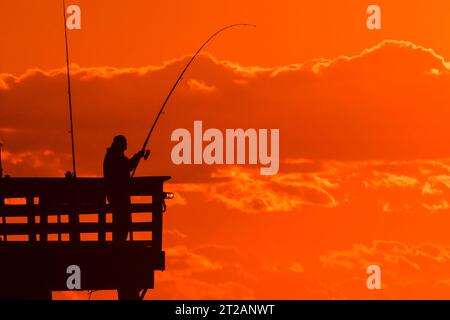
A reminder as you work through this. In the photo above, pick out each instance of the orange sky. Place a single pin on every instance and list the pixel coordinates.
(365, 148)
(140, 32)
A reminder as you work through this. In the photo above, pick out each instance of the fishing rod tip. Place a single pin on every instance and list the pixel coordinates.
(243, 24)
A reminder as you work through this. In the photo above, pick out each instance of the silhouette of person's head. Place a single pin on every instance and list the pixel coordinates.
(119, 143)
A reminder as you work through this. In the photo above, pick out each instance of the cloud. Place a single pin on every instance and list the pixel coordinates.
(196, 85)
(436, 185)
(390, 186)
(385, 52)
(185, 260)
(296, 267)
(42, 163)
(387, 180)
(247, 191)
(175, 288)
(202, 273)
(364, 155)
(418, 268)
(383, 104)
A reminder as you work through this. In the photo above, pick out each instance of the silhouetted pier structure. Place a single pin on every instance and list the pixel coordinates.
(49, 224)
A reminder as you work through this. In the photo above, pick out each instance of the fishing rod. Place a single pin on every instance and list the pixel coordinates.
(144, 146)
(1, 166)
(69, 93)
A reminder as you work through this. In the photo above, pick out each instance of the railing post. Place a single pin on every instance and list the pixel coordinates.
(74, 226)
(74, 219)
(157, 221)
(58, 221)
(43, 217)
(31, 218)
(102, 221)
(2, 204)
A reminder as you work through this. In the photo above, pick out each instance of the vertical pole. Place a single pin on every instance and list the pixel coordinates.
(157, 219)
(44, 205)
(59, 225)
(102, 220)
(69, 92)
(1, 166)
(3, 216)
(2, 201)
(74, 218)
(31, 218)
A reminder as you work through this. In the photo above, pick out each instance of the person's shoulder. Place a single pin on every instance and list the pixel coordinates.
(107, 154)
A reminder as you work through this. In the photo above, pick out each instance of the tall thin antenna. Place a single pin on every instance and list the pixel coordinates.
(69, 92)
(1, 166)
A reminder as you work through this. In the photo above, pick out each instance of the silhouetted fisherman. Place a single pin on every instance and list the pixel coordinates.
(116, 171)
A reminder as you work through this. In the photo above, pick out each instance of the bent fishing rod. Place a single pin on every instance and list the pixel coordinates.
(144, 146)
(72, 139)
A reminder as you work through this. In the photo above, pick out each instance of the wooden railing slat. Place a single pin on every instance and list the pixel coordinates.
(55, 228)
(19, 210)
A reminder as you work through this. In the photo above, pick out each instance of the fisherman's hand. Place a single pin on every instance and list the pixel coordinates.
(141, 153)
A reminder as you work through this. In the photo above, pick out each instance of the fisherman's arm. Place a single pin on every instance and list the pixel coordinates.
(134, 161)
